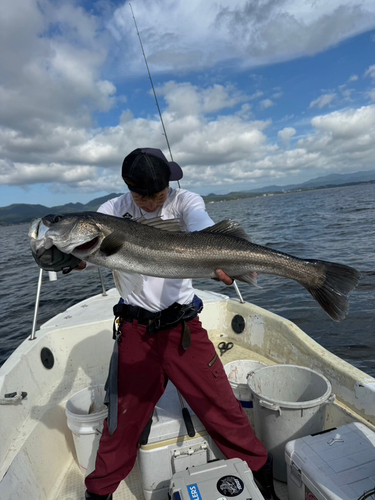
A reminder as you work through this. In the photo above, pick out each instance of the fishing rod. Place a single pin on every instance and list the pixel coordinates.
(153, 88)
(185, 412)
(162, 122)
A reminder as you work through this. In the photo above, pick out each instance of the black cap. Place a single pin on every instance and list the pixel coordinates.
(147, 171)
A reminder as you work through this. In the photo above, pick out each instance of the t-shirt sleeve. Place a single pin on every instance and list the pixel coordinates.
(194, 213)
(107, 208)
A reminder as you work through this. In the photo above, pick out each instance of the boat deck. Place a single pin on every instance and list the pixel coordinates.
(72, 483)
(37, 459)
(73, 488)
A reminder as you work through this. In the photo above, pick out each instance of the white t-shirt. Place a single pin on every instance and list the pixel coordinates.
(189, 208)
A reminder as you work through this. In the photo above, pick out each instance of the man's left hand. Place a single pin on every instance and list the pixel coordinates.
(227, 280)
(222, 276)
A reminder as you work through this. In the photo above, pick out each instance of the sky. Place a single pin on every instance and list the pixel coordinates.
(252, 93)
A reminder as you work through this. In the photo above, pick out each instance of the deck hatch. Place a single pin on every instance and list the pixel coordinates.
(47, 358)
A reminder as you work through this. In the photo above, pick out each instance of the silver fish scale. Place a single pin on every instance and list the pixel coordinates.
(153, 252)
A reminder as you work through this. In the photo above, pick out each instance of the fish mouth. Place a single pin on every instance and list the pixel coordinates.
(89, 245)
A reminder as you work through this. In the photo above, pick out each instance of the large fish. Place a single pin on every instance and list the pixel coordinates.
(153, 247)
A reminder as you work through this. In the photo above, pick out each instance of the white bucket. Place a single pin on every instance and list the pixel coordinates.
(86, 413)
(289, 403)
(238, 372)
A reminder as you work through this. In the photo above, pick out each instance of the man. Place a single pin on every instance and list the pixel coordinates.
(148, 360)
(160, 338)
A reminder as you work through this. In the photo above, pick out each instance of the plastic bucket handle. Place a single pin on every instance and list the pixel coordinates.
(330, 400)
(270, 406)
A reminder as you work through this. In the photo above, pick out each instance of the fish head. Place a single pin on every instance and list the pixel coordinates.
(76, 234)
(37, 232)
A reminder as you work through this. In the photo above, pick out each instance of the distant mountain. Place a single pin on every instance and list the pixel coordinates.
(22, 212)
(322, 181)
(17, 213)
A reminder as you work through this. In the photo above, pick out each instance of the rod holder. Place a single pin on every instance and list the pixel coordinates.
(32, 336)
(238, 292)
(104, 291)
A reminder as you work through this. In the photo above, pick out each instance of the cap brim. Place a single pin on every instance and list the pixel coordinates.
(176, 171)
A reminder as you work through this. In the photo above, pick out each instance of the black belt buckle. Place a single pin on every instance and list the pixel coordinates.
(189, 313)
(154, 325)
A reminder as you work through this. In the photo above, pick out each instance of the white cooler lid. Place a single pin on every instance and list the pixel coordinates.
(167, 420)
(339, 463)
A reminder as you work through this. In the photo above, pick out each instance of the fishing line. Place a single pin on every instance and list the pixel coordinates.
(153, 88)
(161, 118)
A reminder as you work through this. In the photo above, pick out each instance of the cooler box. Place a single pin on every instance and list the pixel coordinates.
(334, 465)
(169, 448)
(217, 480)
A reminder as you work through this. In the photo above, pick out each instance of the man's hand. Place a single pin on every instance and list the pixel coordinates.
(55, 260)
(227, 280)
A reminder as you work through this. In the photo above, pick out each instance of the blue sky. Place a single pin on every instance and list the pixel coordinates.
(254, 93)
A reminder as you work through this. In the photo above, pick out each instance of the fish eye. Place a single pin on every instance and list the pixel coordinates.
(57, 218)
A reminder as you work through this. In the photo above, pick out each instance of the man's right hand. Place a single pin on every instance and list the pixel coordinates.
(55, 260)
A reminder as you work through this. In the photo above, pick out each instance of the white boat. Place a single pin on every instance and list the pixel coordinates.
(71, 352)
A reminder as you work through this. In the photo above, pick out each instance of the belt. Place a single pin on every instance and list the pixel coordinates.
(161, 320)
(129, 313)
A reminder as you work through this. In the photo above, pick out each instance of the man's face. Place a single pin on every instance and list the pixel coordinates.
(152, 203)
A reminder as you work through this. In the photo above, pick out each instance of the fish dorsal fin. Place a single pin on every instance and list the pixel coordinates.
(229, 227)
(171, 225)
(112, 243)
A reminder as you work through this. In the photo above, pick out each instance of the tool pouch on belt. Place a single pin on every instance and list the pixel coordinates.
(175, 314)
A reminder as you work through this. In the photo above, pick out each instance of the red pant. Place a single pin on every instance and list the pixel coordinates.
(145, 363)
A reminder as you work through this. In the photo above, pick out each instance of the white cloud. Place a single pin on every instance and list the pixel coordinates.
(348, 124)
(185, 99)
(223, 151)
(322, 101)
(11, 173)
(52, 86)
(286, 134)
(51, 58)
(353, 78)
(343, 140)
(266, 103)
(256, 95)
(265, 31)
(370, 71)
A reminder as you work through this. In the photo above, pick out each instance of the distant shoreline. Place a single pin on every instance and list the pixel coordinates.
(243, 195)
(22, 213)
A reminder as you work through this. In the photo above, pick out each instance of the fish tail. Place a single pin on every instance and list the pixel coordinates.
(332, 294)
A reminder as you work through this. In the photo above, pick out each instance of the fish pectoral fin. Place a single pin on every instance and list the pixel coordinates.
(112, 243)
(127, 283)
(250, 278)
(228, 227)
(171, 225)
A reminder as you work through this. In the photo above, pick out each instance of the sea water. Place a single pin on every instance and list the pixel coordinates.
(335, 224)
